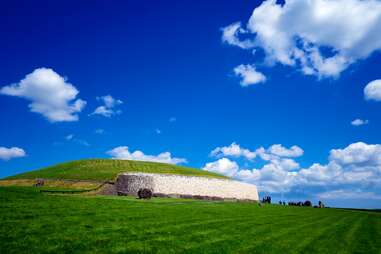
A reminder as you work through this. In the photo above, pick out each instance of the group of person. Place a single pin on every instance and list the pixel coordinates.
(266, 200)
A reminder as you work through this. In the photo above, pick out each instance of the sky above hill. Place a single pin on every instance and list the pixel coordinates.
(282, 94)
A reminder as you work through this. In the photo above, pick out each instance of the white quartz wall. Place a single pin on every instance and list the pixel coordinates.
(197, 186)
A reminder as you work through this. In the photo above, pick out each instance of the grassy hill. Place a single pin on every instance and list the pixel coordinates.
(33, 222)
(107, 169)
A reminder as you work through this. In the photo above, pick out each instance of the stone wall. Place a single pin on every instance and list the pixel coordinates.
(131, 183)
(185, 186)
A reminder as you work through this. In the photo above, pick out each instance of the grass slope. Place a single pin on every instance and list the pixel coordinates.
(32, 222)
(107, 169)
(54, 184)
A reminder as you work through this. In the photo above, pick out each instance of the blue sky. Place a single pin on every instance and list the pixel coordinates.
(167, 77)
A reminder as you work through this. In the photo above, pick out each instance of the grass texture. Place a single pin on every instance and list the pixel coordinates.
(34, 222)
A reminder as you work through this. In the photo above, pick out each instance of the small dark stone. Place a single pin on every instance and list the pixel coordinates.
(159, 195)
(217, 198)
(186, 196)
(121, 193)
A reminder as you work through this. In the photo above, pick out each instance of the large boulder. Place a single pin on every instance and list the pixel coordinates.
(145, 194)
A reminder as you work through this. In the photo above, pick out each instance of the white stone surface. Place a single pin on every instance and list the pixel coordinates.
(192, 185)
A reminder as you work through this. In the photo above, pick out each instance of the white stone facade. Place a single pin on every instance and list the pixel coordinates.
(177, 185)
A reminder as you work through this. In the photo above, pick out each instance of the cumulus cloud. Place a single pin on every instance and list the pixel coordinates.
(123, 153)
(281, 151)
(274, 152)
(355, 167)
(222, 166)
(50, 95)
(358, 153)
(319, 37)
(277, 151)
(274, 176)
(372, 91)
(108, 109)
(234, 150)
(359, 122)
(249, 75)
(10, 153)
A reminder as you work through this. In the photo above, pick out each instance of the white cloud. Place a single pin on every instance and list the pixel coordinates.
(357, 154)
(233, 150)
(108, 109)
(359, 122)
(10, 153)
(272, 177)
(103, 111)
(223, 166)
(277, 151)
(317, 175)
(274, 152)
(249, 75)
(172, 119)
(158, 131)
(281, 151)
(372, 91)
(123, 153)
(109, 101)
(320, 37)
(357, 166)
(286, 164)
(50, 95)
(230, 36)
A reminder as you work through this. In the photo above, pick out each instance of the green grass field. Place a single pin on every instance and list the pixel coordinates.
(33, 222)
(107, 169)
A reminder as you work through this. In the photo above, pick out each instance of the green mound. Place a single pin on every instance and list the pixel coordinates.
(107, 169)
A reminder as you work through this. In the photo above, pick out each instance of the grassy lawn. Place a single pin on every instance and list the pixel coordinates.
(32, 222)
(107, 169)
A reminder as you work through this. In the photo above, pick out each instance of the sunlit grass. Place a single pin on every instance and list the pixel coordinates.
(33, 222)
